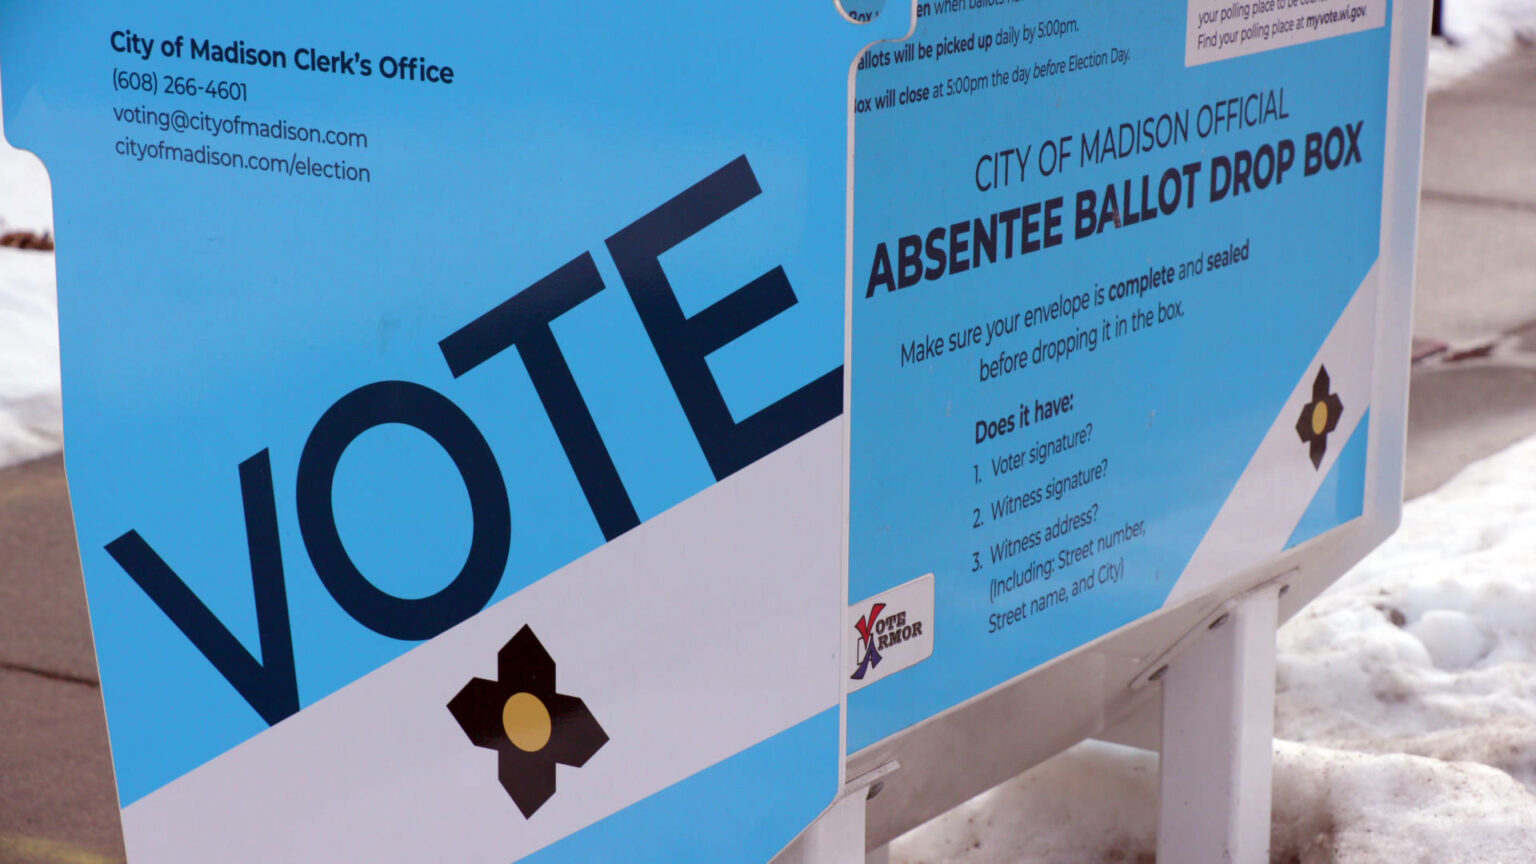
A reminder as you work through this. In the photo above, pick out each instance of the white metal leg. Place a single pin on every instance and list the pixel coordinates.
(1218, 740)
(879, 856)
(838, 836)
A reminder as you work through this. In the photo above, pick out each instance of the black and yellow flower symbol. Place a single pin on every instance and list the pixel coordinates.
(1319, 417)
(528, 724)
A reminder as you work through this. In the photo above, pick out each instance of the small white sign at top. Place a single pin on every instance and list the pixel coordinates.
(1221, 29)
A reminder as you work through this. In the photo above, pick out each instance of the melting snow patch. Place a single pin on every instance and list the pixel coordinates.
(1429, 645)
(1406, 693)
(1336, 806)
(1094, 803)
(1097, 804)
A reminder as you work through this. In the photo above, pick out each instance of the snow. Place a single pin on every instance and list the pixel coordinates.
(1480, 31)
(1097, 803)
(1405, 701)
(31, 420)
(1429, 646)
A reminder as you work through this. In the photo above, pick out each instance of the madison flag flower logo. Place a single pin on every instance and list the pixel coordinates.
(869, 657)
(528, 724)
(1319, 417)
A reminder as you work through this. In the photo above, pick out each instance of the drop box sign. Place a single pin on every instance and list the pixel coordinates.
(564, 433)
(453, 403)
(1112, 332)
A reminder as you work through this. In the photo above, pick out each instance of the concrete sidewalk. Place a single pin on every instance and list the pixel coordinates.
(1476, 290)
(1476, 297)
(58, 804)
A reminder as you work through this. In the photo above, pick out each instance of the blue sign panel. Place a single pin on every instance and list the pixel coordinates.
(1111, 329)
(447, 389)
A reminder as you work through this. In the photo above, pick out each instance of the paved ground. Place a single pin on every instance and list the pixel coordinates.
(1476, 296)
(1476, 274)
(57, 801)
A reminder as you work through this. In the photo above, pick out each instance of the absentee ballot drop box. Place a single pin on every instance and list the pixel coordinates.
(640, 431)
(1127, 361)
